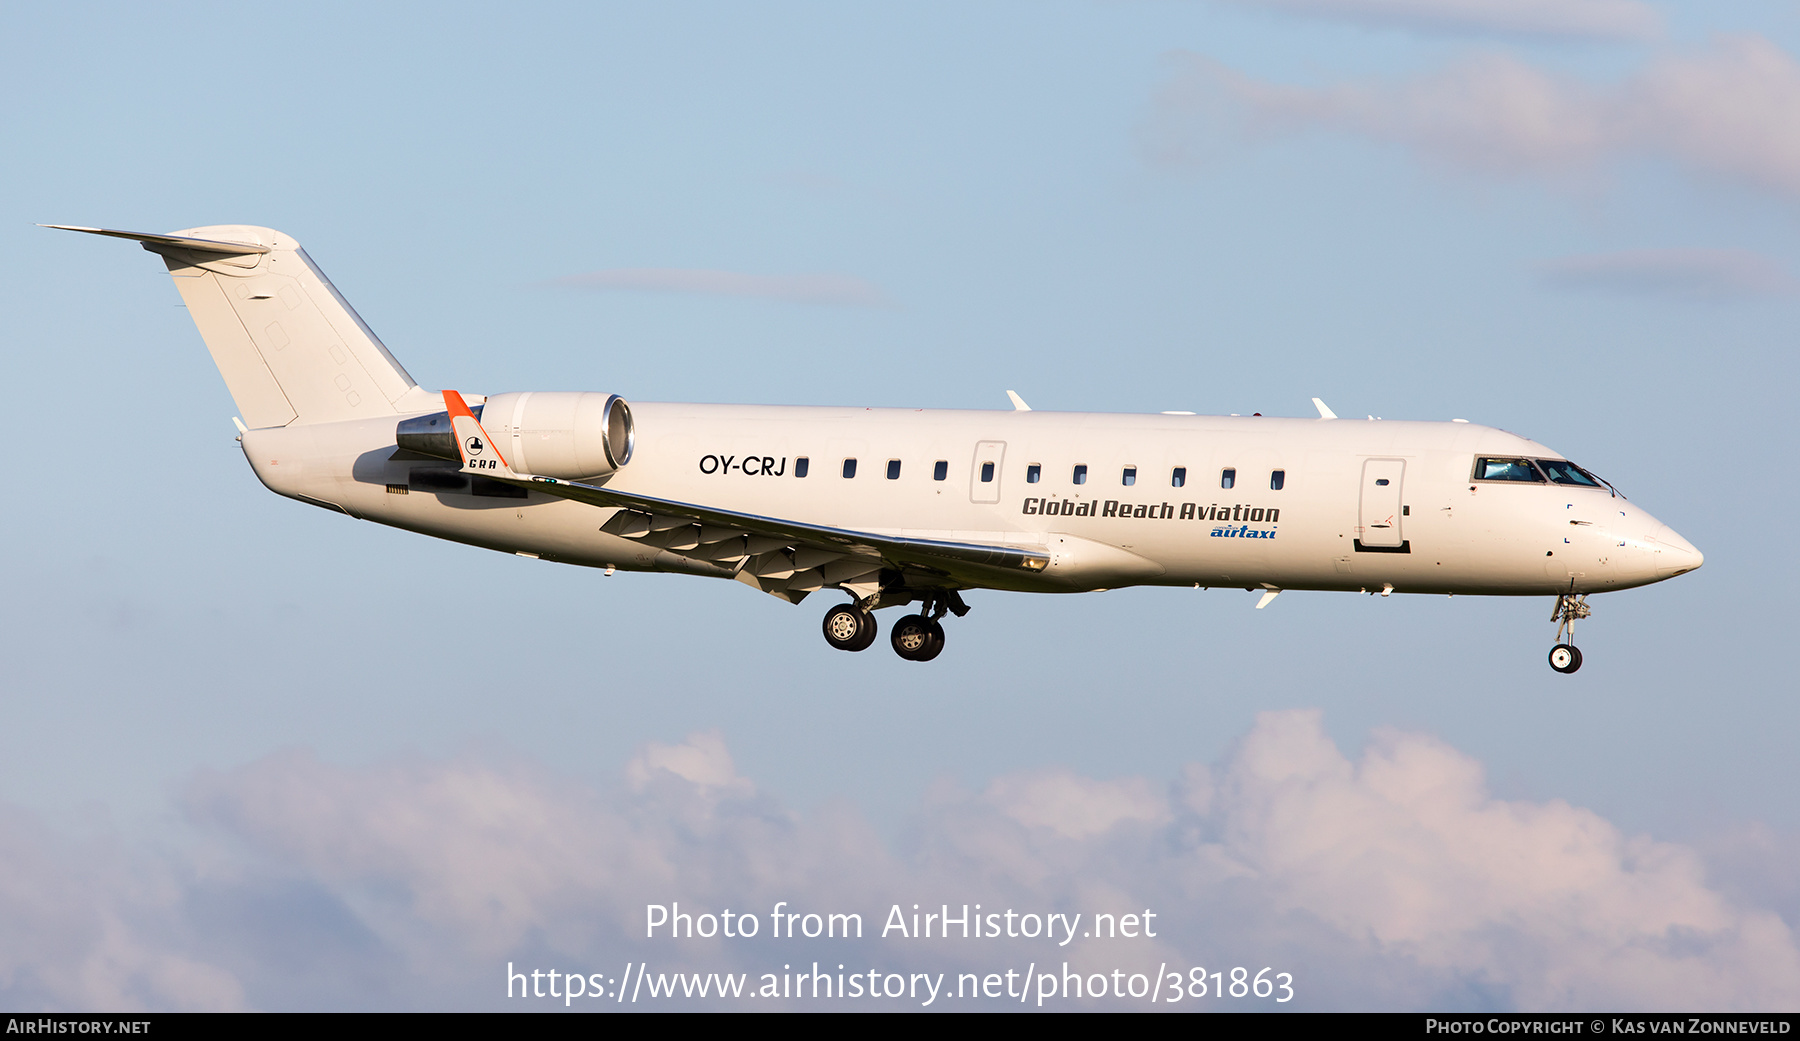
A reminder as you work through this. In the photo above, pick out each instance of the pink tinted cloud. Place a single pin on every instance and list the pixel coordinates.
(1591, 19)
(844, 290)
(1392, 879)
(1685, 274)
(1731, 109)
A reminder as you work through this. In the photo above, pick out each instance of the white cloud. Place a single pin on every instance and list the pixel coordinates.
(806, 289)
(1685, 274)
(1594, 19)
(1076, 807)
(1393, 880)
(1730, 110)
(702, 760)
(80, 928)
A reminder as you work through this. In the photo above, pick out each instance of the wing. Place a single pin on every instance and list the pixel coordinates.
(788, 558)
(794, 556)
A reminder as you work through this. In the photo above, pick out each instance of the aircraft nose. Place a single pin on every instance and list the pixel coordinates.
(1676, 555)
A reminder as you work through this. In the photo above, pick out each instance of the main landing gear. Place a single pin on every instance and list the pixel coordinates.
(916, 637)
(849, 628)
(1565, 657)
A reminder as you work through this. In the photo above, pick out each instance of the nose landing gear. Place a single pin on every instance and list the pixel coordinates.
(1564, 657)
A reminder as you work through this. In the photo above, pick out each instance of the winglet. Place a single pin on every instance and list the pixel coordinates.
(479, 453)
(1324, 413)
(1018, 402)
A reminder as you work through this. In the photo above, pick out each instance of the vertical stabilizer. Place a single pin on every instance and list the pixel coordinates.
(290, 347)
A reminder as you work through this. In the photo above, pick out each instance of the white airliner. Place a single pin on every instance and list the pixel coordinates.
(895, 506)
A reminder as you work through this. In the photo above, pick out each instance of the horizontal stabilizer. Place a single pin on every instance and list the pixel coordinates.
(171, 241)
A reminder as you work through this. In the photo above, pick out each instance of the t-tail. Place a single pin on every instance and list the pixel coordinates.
(291, 349)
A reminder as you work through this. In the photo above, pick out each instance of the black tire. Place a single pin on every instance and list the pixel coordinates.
(849, 628)
(913, 639)
(1565, 658)
(937, 643)
(869, 629)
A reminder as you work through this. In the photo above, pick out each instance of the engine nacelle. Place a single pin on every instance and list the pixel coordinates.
(563, 434)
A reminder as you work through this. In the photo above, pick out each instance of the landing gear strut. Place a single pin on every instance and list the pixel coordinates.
(1564, 657)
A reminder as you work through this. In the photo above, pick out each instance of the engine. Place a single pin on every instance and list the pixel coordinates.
(568, 435)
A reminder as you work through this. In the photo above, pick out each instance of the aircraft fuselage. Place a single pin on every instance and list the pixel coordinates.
(1430, 526)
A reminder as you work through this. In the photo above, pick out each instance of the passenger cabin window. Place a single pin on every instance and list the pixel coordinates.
(849, 468)
(1032, 473)
(940, 470)
(1227, 478)
(800, 466)
(1178, 477)
(987, 473)
(893, 469)
(1081, 474)
(1487, 469)
(1129, 477)
(1564, 472)
(1277, 478)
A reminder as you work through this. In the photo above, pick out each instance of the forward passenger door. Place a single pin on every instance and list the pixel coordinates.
(984, 476)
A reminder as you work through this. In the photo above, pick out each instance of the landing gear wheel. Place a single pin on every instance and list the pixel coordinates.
(917, 638)
(937, 642)
(849, 628)
(1565, 658)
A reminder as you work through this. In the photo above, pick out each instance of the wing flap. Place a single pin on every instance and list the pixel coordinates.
(816, 548)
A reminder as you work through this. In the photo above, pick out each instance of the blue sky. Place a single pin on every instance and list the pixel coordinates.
(1573, 221)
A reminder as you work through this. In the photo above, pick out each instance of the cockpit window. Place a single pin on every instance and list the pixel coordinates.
(1564, 472)
(1488, 469)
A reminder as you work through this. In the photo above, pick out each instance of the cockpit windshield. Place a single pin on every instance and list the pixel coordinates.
(1564, 472)
(1489, 469)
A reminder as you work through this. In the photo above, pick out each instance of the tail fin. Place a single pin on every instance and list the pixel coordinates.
(289, 346)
